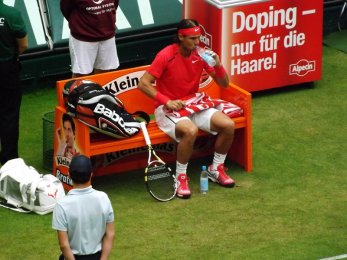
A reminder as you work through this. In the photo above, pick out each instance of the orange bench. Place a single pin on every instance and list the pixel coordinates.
(123, 83)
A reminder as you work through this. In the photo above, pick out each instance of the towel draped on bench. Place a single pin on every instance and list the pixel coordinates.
(201, 101)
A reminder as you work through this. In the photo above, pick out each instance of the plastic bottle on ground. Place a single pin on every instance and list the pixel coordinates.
(204, 180)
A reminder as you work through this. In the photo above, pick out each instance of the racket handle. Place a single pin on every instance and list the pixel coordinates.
(145, 133)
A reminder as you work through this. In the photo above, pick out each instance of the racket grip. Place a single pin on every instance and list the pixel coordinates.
(145, 133)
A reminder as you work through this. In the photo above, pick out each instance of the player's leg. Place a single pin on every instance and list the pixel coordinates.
(10, 124)
(10, 100)
(225, 128)
(82, 56)
(184, 132)
(107, 56)
(215, 122)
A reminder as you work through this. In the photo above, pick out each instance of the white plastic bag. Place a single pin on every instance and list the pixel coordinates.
(25, 190)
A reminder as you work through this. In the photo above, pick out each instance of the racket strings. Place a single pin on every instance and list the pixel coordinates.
(160, 181)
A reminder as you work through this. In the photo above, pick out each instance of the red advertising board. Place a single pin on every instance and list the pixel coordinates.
(263, 44)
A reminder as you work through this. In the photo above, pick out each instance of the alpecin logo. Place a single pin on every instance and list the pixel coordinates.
(302, 67)
(206, 38)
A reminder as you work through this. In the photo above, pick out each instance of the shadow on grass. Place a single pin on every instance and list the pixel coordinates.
(284, 90)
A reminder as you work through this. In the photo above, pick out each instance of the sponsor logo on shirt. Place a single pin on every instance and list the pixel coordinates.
(2, 21)
(98, 2)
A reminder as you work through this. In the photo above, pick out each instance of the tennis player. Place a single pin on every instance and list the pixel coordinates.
(177, 70)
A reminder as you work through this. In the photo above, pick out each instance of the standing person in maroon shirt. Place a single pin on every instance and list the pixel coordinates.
(92, 41)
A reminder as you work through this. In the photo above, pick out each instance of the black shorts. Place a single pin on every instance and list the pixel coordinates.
(9, 74)
(95, 256)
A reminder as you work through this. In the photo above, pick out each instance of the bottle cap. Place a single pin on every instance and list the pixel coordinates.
(203, 168)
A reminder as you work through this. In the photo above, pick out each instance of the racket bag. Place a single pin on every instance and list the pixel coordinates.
(23, 189)
(73, 89)
(96, 107)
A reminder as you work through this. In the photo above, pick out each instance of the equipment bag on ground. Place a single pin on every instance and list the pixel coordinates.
(23, 189)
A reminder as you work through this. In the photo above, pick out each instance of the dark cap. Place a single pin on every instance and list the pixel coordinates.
(80, 168)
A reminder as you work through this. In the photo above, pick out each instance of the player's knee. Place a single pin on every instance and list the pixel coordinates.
(190, 132)
(229, 127)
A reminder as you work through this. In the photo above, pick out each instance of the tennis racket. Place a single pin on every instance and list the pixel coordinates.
(161, 183)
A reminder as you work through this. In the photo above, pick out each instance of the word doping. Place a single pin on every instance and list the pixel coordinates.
(258, 22)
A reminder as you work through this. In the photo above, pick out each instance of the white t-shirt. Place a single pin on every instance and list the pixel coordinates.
(83, 213)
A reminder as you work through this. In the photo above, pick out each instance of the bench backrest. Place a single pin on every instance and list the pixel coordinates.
(123, 83)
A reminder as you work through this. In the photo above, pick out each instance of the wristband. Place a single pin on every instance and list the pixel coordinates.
(162, 99)
(220, 71)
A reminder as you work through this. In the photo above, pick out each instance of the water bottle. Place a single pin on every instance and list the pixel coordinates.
(204, 180)
(205, 56)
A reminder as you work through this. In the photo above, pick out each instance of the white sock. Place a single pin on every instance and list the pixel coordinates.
(217, 160)
(181, 168)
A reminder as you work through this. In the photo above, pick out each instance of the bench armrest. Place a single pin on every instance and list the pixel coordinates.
(59, 93)
(240, 97)
(236, 95)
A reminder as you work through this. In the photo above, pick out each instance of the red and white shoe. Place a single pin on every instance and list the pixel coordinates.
(183, 190)
(219, 175)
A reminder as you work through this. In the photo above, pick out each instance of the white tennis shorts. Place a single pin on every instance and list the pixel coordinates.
(168, 123)
(87, 56)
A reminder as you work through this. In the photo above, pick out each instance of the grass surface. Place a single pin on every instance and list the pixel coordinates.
(337, 40)
(292, 206)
